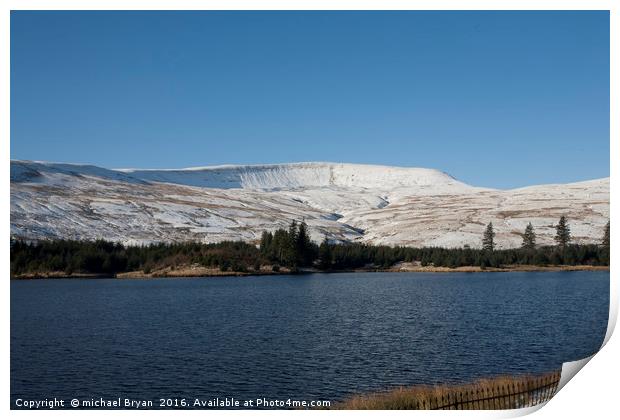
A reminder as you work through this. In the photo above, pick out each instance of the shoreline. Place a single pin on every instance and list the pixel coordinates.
(194, 272)
(490, 393)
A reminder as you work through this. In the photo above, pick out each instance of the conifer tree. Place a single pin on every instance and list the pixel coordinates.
(562, 233)
(292, 232)
(290, 253)
(606, 242)
(488, 243)
(325, 254)
(303, 247)
(529, 237)
(266, 241)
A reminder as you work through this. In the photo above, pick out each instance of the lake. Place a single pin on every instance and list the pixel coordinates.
(318, 336)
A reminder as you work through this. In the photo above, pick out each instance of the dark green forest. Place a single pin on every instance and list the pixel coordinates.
(292, 249)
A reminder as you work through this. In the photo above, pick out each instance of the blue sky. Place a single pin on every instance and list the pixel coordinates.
(498, 99)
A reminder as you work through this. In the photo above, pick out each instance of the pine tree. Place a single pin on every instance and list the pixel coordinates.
(303, 246)
(266, 241)
(325, 254)
(562, 235)
(488, 244)
(292, 232)
(279, 245)
(529, 237)
(290, 254)
(606, 241)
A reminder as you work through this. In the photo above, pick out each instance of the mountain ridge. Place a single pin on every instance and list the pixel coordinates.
(345, 202)
(132, 171)
(285, 175)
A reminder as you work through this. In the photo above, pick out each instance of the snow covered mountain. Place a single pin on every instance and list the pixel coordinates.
(345, 202)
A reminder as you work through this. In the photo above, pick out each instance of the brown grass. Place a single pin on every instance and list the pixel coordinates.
(200, 271)
(506, 392)
(415, 268)
(196, 270)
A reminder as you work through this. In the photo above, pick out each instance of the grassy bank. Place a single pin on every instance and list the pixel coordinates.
(200, 271)
(416, 268)
(500, 393)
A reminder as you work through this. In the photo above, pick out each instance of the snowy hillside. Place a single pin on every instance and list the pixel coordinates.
(345, 202)
(301, 175)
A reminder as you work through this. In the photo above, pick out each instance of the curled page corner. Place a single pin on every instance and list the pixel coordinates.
(613, 311)
(570, 369)
(515, 412)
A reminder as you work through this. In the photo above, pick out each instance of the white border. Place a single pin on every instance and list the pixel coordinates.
(592, 394)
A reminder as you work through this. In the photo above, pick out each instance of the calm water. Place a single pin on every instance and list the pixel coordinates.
(322, 336)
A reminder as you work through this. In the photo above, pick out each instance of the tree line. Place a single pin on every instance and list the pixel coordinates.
(104, 257)
(562, 236)
(292, 248)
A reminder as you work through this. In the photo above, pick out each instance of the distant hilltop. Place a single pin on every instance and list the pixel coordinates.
(344, 202)
(287, 175)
